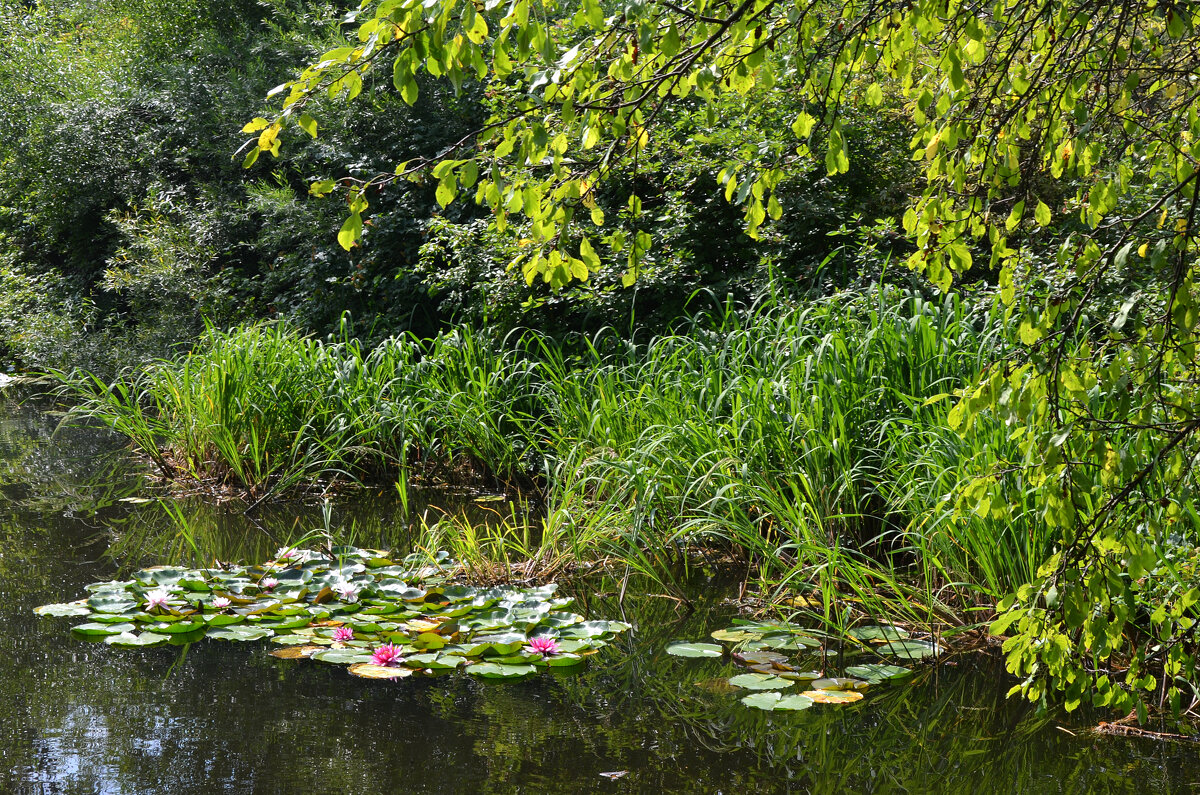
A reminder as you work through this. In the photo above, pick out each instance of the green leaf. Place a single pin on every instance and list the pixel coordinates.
(63, 610)
(489, 670)
(131, 640)
(351, 231)
(760, 682)
(240, 633)
(1042, 214)
(910, 649)
(97, 629)
(308, 124)
(878, 672)
(776, 702)
(686, 649)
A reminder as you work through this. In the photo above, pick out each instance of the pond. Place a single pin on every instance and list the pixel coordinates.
(82, 717)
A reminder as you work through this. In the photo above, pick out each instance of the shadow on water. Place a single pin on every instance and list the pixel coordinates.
(80, 717)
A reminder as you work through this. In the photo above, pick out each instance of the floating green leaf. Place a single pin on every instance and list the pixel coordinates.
(833, 696)
(910, 649)
(493, 671)
(878, 672)
(775, 701)
(98, 629)
(372, 671)
(435, 625)
(72, 609)
(683, 648)
(240, 633)
(760, 682)
(131, 640)
(876, 632)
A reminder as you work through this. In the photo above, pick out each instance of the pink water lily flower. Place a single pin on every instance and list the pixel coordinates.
(221, 603)
(267, 583)
(543, 646)
(343, 634)
(346, 591)
(387, 654)
(285, 553)
(157, 599)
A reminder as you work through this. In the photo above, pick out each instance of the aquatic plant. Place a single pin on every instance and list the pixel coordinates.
(387, 654)
(346, 591)
(157, 599)
(408, 614)
(762, 648)
(543, 646)
(809, 441)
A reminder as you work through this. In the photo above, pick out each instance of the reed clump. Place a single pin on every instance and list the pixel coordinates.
(809, 440)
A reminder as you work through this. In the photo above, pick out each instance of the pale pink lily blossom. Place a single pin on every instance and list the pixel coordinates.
(157, 598)
(388, 654)
(221, 603)
(267, 583)
(346, 591)
(543, 646)
(285, 553)
(343, 634)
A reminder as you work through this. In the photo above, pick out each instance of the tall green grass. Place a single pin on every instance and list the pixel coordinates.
(805, 440)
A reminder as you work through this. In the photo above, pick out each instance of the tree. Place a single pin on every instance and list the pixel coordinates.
(1057, 143)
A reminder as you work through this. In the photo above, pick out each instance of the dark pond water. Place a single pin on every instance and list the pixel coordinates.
(77, 717)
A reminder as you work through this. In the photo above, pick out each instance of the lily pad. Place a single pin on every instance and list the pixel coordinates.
(223, 619)
(763, 657)
(493, 671)
(774, 701)
(132, 640)
(112, 602)
(878, 633)
(342, 656)
(910, 649)
(800, 676)
(562, 660)
(878, 672)
(735, 635)
(684, 648)
(97, 629)
(436, 624)
(760, 682)
(240, 633)
(838, 683)
(789, 641)
(436, 662)
(174, 627)
(71, 609)
(833, 696)
(292, 640)
(372, 671)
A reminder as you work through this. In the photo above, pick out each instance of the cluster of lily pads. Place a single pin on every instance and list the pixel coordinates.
(779, 656)
(385, 619)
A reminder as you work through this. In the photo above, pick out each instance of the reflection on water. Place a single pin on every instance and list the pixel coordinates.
(82, 717)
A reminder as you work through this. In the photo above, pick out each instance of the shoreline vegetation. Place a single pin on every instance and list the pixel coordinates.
(807, 442)
(526, 217)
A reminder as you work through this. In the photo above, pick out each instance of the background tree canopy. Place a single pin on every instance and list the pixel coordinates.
(1054, 141)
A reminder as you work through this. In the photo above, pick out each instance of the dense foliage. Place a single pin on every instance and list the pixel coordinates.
(632, 161)
(1056, 142)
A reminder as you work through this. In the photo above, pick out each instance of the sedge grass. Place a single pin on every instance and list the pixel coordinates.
(807, 440)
